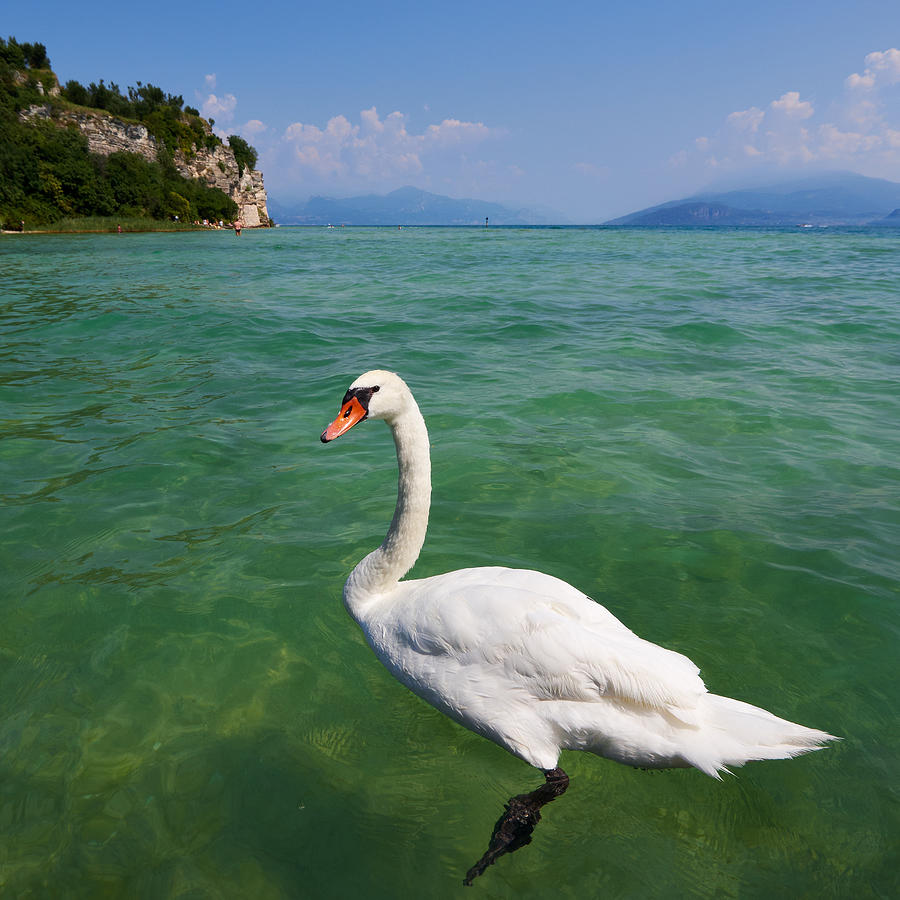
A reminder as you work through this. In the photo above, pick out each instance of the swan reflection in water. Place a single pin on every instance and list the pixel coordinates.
(527, 660)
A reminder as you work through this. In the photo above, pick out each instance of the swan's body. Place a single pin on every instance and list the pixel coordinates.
(526, 659)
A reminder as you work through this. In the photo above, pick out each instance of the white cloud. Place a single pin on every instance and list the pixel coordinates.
(791, 105)
(837, 144)
(860, 81)
(216, 106)
(376, 149)
(856, 128)
(253, 127)
(370, 119)
(452, 131)
(882, 68)
(744, 120)
(219, 108)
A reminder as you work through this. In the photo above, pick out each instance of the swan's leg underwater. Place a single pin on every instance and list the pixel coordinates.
(520, 818)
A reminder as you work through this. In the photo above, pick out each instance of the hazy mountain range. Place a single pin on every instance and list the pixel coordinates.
(405, 206)
(835, 198)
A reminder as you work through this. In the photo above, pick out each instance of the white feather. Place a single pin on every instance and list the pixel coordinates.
(529, 661)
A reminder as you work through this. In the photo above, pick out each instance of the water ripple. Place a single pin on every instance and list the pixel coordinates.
(696, 427)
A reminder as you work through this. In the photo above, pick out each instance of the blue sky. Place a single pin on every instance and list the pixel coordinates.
(589, 108)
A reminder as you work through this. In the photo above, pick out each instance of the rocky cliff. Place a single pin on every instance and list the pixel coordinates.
(217, 168)
(105, 134)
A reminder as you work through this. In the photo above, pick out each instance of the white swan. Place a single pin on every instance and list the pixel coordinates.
(526, 659)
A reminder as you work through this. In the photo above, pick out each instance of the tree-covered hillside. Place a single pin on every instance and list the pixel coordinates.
(47, 173)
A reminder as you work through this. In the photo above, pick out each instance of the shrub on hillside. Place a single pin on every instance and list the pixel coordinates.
(244, 154)
(47, 173)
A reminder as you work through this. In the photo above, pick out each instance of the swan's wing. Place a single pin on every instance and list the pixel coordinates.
(552, 640)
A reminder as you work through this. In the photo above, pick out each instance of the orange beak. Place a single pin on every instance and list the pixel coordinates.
(351, 413)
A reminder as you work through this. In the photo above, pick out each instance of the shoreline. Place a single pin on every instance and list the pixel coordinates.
(187, 230)
(99, 231)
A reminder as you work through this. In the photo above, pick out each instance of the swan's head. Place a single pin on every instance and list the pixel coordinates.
(375, 395)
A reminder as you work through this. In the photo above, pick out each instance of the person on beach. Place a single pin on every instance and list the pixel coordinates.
(237, 227)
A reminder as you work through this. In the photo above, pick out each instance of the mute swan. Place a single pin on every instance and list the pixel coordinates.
(527, 660)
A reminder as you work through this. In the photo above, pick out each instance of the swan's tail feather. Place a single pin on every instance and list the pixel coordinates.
(735, 732)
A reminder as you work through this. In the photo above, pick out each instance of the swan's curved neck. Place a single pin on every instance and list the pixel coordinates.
(380, 571)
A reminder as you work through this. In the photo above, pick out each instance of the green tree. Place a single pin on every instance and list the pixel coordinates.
(244, 154)
(76, 93)
(36, 56)
(12, 53)
(179, 207)
(47, 172)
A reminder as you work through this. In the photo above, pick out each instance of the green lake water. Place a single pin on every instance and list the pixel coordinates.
(700, 429)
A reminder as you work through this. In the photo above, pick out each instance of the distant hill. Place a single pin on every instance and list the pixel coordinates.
(405, 206)
(76, 152)
(836, 198)
(889, 221)
(697, 212)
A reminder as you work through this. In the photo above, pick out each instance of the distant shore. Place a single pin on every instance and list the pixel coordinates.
(113, 230)
(111, 225)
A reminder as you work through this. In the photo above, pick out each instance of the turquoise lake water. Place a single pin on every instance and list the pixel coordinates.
(697, 428)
